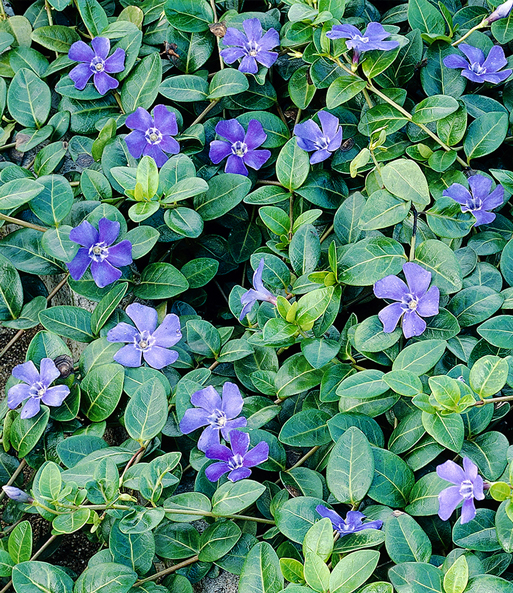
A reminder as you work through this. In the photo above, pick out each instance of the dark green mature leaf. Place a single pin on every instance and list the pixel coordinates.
(67, 321)
(227, 82)
(261, 571)
(11, 291)
(141, 87)
(406, 541)
(146, 412)
(225, 191)
(93, 15)
(190, 16)
(34, 576)
(160, 281)
(29, 99)
(485, 134)
(292, 166)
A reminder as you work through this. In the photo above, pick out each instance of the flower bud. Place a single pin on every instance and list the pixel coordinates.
(501, 12)
(16, 494)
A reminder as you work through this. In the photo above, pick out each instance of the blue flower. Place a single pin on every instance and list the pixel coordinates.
(478, 69)
(322, 142)
(258, 293)
(359, 42)
(352, 524)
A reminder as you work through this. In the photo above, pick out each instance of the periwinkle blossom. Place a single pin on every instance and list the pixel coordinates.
(16, 494)
(240, 146)
(236, 460)
(478, 69)
(36, 387)
(414, 300)
(97, 63)
(97, 250)
(353, 522)
(478, 201)
(323, 142)
(468, 485)
(258, 293)
(152, 136)
(373, 38)
(252, 47)
(220, 416)
(501, 12)
(146, 340)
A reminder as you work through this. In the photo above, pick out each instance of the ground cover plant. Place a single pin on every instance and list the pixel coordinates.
(292, 222)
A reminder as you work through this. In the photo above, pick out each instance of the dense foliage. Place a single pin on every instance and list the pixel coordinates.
(292, 221)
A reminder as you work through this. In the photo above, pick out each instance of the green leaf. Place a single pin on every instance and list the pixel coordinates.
(434, 108)
(448, 429)
(19, 544)
(350, 469)
(93, 15)
(188, 501)
(17, 192)
(231, 498)
(160, 281)
(342, 89)
(134, 550)
(227, 82)
(217, 540)
(101, 391)
(108, 577)
(32, 577)
(382, 210)
(11, 291)
(307, 428)
(485, 134)
(261, 571)
(25, 434)
(292, 165)
(439, 259)
(191, 16)
(176, 541)
(424, 16)
(488, 375)
(184, 88)
(29, 99)
(488, 452)
(405, 179)
(67, 321)
(479, 534)
(317, 574)
(498, 331)
(146, 412)
(427, 576)
(106, 307)
(296, 375)
(300, 89)
(376, 61)
(295, 516)
(141, 87)
(54, 203)
(57, 38)
(353, 570)
(405, 540)
(393, 479)
(225, 191)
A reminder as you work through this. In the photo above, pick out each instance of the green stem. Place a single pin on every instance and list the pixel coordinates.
(483, 23)
(18, 471)
(413, 233)
(3, 14)
(305, 457)
(327, 233)
(492, 400)
(169, 570)
(19, 222)
(205, 111)
(118, 101)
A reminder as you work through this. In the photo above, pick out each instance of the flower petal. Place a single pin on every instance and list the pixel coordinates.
(26, 372)
(116, 62)
(329, 123)
(208, 438)
(494, 200)
(474, 54)
(253, 29)
(257, 277)
(31, 408)
(158, 357)
(80, 52)
(101, 46)
(156, 153)
(169, 145)
(266, 58)
(104, 273)
(257, 455)
(455, 61)
(470, 469)
(168, 333)
(55, 395)
(417, 277)
(468, 511)
(49, 372)
(308, 131)
(193, 419)
(390, 287)
(108, 231)
(495, 59)
(239, 442)
(413, 325)
(448, 500)
(235, 164)
(255, 136)
(319, 156)
(376, 31)
(451, 472)
(17, 394)
(78, 265)
(84, 234)
(230, 129)
(428, 304)
(145, 318)
(479, 78)
(219, 150)
(270, 40)
(136, 142)
(480, 186)
(128, 356)
(483, 217)
(122, 332)
(216, 470)
(231, 54)
(80, 75)
(336, 520)
(256, 158)
(478, 488)
(165, 120)
(232, 400)
(239, 474)
(219, 452)
(343, 32)
(458, 193)
(120, 254)
(248, 65)
(389, 317)
(104, 82)
(207, 398)
(232, 425)
(140, 120)
(497, 77)
(336, 141)
(234, 37)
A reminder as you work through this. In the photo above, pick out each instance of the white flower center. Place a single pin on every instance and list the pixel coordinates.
(153, 136)
(477, 68)
(97, 64)
(239, 148)
(98, 252)
(474, 203)
(144, 341)
(38, 390)
(467, 489)
(410, 302)
(361, 39)
(252, 48)
(218, 418)
(236, 461)
(322, 143)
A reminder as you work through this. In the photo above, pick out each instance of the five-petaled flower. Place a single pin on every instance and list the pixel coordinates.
(352, 524)
(414, 300)
(146, 340)
(373, 38)
(478, 69)
(251, 47)
(16, 494)
(36, 387)
(478, 201)
(258, 293)
(152, 136)
(218, 415)
(236, 460)
(323, 142)
(468, 485)
(240, 146)
(94, 62)
(98, 250)
(501, 12)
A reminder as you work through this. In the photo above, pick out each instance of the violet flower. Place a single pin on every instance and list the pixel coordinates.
(240, 146)
(236, 460)
(152, 136)
(94, 62)
(251, 47)
(468, 485)
(476, 68)
(323, 142)
(414, 300)
(218, 415)
(501, 12)
(352, 524)
(478, 201)
(258, 293)
(16, 494)
(97, 250)
(36, 387)
(146, 339)
(359, 42)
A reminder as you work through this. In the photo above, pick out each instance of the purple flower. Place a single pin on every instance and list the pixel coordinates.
(476, 68)
(323, 142)
(96, 63)
(218, 415)
(259, 293)
(146, 340)
(373, 38)
(36, 387)
(240, 148)
(478, 200)
(96, 250)
(414, 300)
(152, 136)
(236, 460)
(251, 47)
(501, 12)
(16, 494)
(467, 486)
(352, 524)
